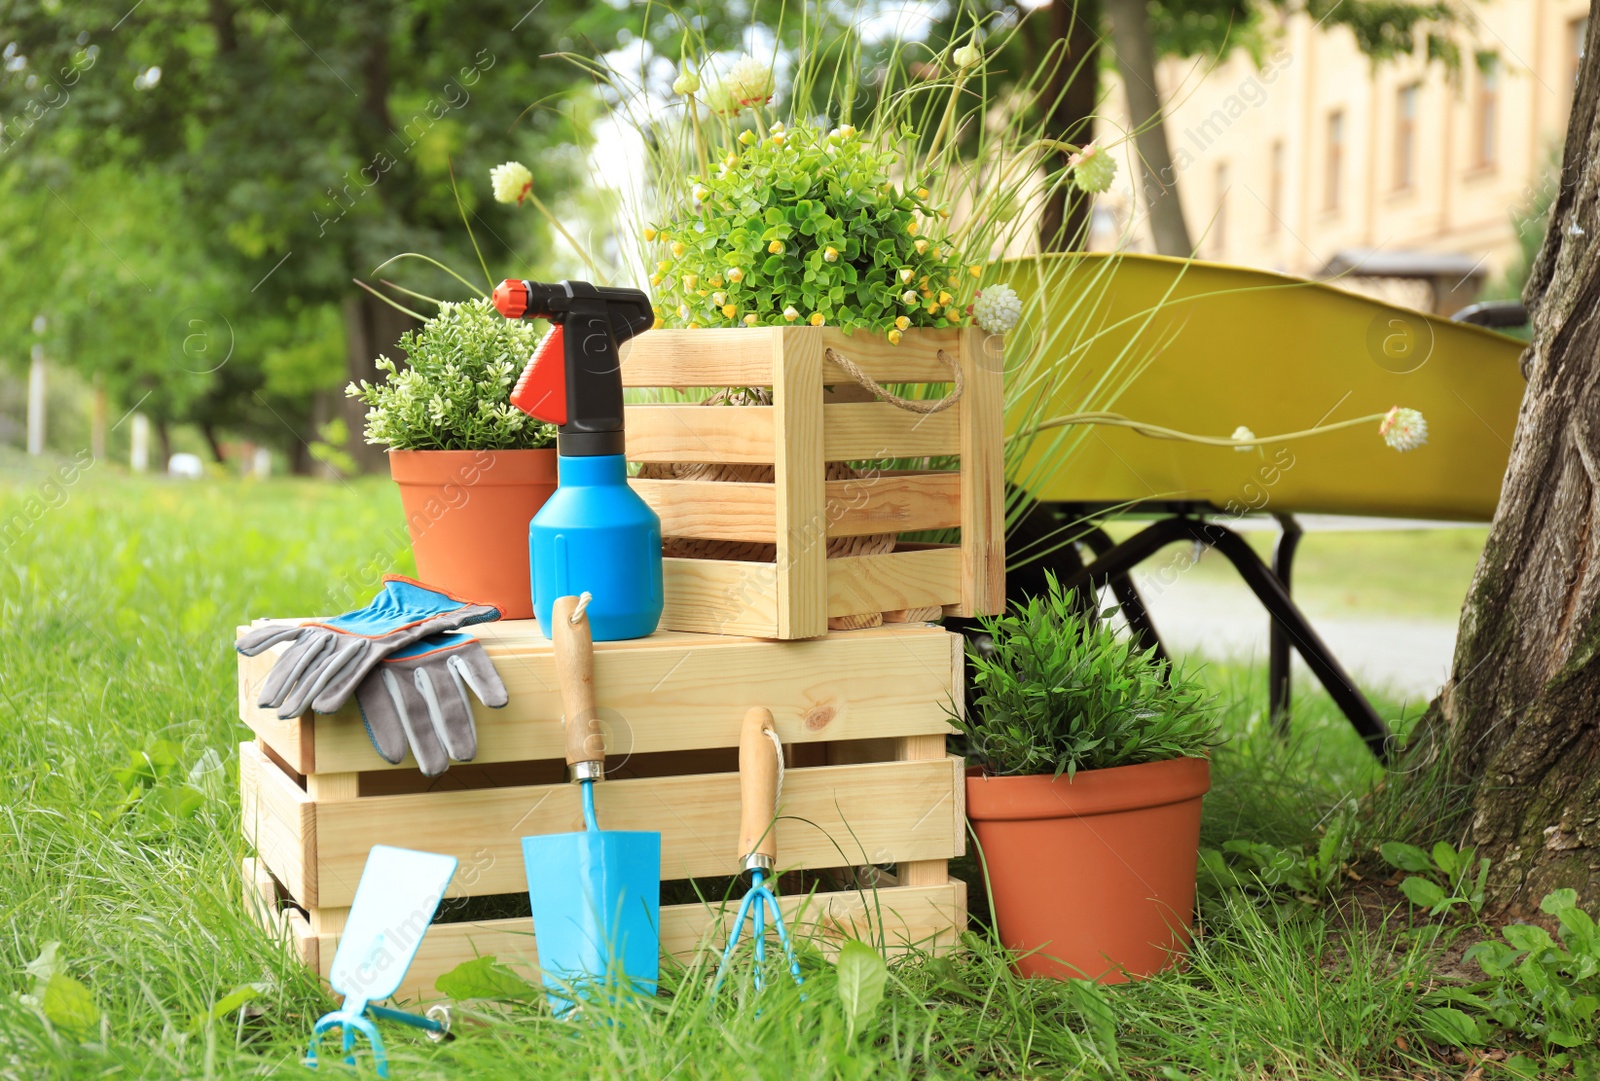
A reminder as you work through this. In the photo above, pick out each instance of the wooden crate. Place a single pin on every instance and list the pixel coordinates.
(796, 595)
(861, 713)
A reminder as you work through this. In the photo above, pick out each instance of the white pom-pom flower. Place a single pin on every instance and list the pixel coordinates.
(511, 181)
(749, 83)
(1243, 433)
(1404, 429)
(997, 308)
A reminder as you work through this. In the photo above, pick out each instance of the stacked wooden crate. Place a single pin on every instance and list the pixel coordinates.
(862, 714)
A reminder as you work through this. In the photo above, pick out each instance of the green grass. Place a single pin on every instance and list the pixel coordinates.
(117, 606)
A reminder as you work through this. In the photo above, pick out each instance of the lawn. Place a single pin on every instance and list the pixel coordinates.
(120, 841)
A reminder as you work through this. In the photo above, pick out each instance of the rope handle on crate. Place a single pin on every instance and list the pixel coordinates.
(910, 405)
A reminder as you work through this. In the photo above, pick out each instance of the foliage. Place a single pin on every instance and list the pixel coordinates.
(1536, 986)
(454, 393)
(1057, 690)
(863, 975)
(802, 224)
(1283, 880)
(1439, 880)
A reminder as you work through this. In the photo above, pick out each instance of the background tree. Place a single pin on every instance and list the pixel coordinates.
(307, 144)
(1518, 723)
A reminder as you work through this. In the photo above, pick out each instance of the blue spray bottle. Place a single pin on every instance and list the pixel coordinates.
(595, 535)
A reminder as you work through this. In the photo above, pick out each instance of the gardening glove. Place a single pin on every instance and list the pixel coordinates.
(330, 659)
(417, 697)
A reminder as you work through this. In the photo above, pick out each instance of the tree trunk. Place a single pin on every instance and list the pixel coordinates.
(1136, 60)
(1520, 715)
(1071, 93)
(371, 327)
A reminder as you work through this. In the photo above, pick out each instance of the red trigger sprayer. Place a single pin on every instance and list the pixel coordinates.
(595, 535)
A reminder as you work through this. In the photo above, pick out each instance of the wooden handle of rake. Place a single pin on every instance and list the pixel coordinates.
(758, 790)
(574, 656)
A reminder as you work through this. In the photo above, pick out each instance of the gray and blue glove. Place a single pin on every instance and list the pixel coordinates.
(417, 697)
(329, 659)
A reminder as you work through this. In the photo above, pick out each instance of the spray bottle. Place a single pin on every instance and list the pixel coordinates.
(595, 535)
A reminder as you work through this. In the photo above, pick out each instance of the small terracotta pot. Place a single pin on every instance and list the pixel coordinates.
(468, 513)
(1093, 878)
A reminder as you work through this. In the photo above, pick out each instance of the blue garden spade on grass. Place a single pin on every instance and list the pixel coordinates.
(595, 895)
(395, 901)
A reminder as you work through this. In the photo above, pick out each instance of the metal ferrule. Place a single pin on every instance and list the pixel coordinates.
(755, 861)
(588, 771)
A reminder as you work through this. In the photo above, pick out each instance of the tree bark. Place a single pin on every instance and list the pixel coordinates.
(1071, 92)
(1136, 60)
(1520, 715)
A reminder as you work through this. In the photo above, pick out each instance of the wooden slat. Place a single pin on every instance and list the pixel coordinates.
(894, 502)
(983, 546)
(279, 822)
(888, 502)
(699, 433)
(908, 578)
(742, 357)
(888, 811)
(713, 510)
(289, 739)
(721, 596)
(866, 430)
(727, 357)
(692, 696)
(928, 918)
(802, 523)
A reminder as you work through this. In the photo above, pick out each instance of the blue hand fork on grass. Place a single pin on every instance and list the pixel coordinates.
(395, 901)
(760, 776)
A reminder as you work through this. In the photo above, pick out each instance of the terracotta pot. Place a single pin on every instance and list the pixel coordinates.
(468, 513)
(1093, 877)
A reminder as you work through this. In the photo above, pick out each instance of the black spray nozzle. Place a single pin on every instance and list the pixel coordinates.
(574, 379)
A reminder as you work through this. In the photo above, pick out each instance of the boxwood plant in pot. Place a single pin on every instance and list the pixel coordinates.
(472, 468)
(1087, 764)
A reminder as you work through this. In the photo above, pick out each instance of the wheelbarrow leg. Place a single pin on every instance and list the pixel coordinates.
(1278, 676)
(1128, 599)
(1272, 595)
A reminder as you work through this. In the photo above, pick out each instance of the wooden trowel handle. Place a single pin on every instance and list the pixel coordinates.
(574, 655)
(758, 789)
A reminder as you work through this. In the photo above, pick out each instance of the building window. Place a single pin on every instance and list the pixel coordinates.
(1219, 224)
(1333, 162)
(1577, 33)
(1486, 110)
(1405, 135)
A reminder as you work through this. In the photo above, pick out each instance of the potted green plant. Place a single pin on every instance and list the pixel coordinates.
(472, 468)
(1087, 764)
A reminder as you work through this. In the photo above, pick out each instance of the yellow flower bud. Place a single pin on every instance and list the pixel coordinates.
(909, 296)
(816, 319)
(975, 270)
(729, 311)
(776, 247)
(906, 274)
(678, 249)
(911, 229)
(719, 298)
(922, 193)
(902, 322)
(945, 298)
(933, 307)
(735, 274)
(655, 279)
(715, 281)
(894, 337)
(952, 312)
(943, 213)
(752, 319)
(830, 254)
(921, 245)
(690, 280)
(790, 313)
(649, 234)
(746, 138)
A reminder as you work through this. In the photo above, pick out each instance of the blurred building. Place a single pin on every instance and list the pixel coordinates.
(1320, 163)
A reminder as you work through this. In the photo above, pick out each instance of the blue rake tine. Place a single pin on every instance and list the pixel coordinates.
(760, 900)
(350, 1023)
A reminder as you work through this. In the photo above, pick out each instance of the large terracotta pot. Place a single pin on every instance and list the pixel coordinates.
(1093, 877)
(468, 513)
